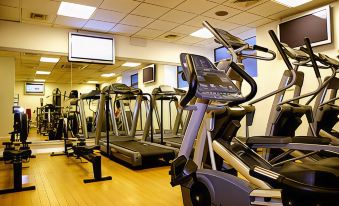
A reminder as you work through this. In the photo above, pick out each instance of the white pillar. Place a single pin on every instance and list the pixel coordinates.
(7, 83)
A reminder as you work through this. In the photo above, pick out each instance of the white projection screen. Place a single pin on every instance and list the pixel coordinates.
(88, 48)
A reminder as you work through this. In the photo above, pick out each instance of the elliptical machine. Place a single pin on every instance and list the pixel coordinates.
(211, 187)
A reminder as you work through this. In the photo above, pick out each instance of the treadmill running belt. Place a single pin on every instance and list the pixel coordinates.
(177, 140)
(146, 150)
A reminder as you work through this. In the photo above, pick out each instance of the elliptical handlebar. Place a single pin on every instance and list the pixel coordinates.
(280, 49)
(262, 49)
(192, 84)
(312, 57)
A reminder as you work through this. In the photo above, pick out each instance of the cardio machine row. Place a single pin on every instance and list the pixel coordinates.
(276, 179)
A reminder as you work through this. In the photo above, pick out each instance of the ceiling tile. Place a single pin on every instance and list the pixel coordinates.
(108, 16)
(134, 20)
(26, 16)
(148, 33)
(190, 40)
(177, 16)
(244, 5)
(284, 14)
(231, 12)
(267, 9)
(11, 3)
(225, 25)
(244, 18)
(9, 13)
(94, 3)
(197, 22)
(217, 1)
(124, 6)
(162, 25)
(125, 29)
(247, 34)
(165, 3)
(210, 43)
(239, 30)
(150, 10)
(184, 29)
(101, 26)
(172, 39)
(260, 22)
(41, 6)
(196, 6)
(70, 22)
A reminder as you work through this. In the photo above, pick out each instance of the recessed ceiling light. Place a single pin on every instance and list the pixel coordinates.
(108, 75)
(202, 33)
(131, 64)
(75, 10)
(92, 82)
(49, 59)
(43, 72)
(292, 3)
(39, 80)
(221, 13)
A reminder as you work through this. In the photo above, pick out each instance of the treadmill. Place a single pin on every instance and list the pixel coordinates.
(174, 136)
(127, 148)
(93, 95)
(126, 117)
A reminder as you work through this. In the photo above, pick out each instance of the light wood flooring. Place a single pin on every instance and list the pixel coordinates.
(59, 181)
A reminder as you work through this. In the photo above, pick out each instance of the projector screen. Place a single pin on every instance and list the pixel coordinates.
(34, 88)
(93, 49)
(315, 24)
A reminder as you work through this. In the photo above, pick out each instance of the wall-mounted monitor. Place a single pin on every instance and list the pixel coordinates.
(148, 74)
(36, 88)
(90, 48)
(315, 24)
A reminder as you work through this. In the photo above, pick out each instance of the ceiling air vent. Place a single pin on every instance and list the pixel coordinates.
(30, 54)
(36, 16)
(171, 36)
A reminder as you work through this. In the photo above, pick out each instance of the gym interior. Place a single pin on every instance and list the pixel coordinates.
(169, 102)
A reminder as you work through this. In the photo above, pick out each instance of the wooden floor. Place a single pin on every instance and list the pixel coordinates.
(58, 181)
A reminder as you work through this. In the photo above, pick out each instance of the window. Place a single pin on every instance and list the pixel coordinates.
(180, 82)
(250, 65)
(134, 80)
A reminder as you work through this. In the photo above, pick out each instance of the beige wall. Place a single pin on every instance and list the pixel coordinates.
(7, 79)
(269, 73)
(29, 37)
(33, 101)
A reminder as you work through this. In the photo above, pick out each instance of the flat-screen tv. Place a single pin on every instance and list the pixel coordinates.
(148, 74)
(315, 24)
(90, 48)
(37, 88)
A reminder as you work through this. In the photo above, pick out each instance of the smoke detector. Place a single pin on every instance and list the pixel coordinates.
(221, 13)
